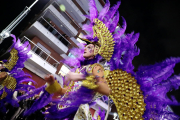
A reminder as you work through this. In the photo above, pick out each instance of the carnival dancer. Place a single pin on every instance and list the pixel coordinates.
(140, 95)
(12, 75)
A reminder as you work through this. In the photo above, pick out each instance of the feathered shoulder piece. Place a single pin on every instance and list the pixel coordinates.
(19, 54)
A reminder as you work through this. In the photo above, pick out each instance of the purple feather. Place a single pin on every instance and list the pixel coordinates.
(75, 98)
(92, 10)
(31, 93)
(121, 31)
(155, 82)
(114, 22)
(110, 14)
(104, 10)
(22, 53)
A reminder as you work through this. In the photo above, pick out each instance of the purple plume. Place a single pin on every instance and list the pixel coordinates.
(93, 10)
(114, 22)
(104, 10)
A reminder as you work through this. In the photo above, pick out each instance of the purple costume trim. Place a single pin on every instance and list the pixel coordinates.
(66, 113)
(75, 98)
(101, 114)
(38, 104)
(44, 99)
(81, 96)
(31, 93)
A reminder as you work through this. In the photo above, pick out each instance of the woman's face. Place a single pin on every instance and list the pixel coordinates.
(89, 51)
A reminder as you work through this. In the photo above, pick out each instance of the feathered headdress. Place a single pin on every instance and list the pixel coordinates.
(101, 28)
(113, 44)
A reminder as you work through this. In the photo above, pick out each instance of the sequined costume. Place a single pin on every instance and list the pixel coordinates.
(76, 98)
(12, 75)
(137, 95)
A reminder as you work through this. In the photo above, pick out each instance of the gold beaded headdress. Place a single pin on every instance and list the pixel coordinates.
(105, 39)
(105, 44)
(96, 45)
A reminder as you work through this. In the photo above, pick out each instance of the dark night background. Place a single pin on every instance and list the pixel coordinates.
(157, 21)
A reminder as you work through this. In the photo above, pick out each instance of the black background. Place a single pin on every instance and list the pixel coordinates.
(157, 21)
(9, 10)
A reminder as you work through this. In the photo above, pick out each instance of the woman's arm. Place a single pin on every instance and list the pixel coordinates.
(97, 72)
(54, 86)
(71, 76)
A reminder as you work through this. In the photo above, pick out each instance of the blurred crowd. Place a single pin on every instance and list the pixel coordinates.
(17, 113)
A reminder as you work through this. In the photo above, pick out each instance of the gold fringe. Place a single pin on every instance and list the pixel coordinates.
(12, 60)
(10, 83)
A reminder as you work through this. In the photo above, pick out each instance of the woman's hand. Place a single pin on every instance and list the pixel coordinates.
(3, 76)
(49, 79)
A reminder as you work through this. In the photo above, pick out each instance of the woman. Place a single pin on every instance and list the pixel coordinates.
(140, 95)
